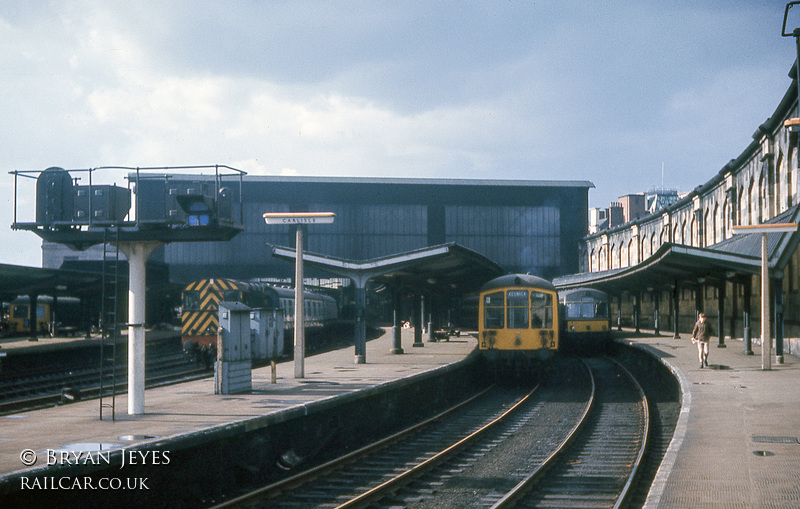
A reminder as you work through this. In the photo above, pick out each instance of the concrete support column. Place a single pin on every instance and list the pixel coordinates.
(137, 254)
(721, 315)
(397, 346)
(32, 316)
(417, 317)
(676, 315)
(734, 308)
(778, 294)
(361, 325)
(422, 313)
(766, 337)
(54, 316)
(698, 301)
(429, 317)
(656, 301)
(299, 308)
(637, 310)
(747, 333)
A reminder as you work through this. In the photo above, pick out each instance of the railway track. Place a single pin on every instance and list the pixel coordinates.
(41, 386)
(598, 465)
(579, 438)
(32, 391)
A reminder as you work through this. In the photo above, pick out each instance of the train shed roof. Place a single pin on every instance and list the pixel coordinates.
(20, 280)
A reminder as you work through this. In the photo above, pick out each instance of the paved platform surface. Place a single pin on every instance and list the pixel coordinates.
(190, 407)
(736, 444)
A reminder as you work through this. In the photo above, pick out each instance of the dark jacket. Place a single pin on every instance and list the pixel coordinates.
(702, 330)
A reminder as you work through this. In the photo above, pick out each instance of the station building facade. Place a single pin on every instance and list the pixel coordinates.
(527, 226)
(759, 186)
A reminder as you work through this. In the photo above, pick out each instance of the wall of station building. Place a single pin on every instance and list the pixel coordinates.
(756, 186)
(524, 226)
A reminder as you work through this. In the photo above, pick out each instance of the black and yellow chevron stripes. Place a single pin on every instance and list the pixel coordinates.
(195, 323)
(211, 291)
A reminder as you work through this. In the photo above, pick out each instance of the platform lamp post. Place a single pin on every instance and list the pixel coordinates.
(299, 219)
(764, 229)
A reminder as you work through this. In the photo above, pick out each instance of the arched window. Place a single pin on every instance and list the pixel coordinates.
(761, 198)
(633, 259)
(741, 216)
(684, 234)
(791, 194)
(771, 194)
(624, 261)
(601, 258)
(781, 184)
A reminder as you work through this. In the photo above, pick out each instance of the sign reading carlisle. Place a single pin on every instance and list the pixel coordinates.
(299, 217)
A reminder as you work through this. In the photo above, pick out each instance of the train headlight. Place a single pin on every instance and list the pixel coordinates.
(543, 338)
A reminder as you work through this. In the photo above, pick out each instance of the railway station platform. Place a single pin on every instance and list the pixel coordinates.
(735, 445)
(19, 345)
(736, 442)
(191, 408)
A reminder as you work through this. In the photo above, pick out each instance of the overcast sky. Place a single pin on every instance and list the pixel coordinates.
(610, 92)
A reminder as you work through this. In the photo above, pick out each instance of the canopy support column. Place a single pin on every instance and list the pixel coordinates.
(416, 316)
(676, 315)
(721, 315)
(397, 345)
(656, 299)
(778, 293)
(748, 292)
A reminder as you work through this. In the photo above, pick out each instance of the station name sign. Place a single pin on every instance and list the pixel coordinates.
(299, 217)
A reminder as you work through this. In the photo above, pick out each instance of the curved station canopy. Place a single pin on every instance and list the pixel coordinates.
(685, 265)
(444, 269)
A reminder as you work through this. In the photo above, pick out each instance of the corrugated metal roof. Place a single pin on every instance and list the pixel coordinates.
(750, 244)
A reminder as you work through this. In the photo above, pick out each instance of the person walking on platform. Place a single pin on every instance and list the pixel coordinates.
(701, 334)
